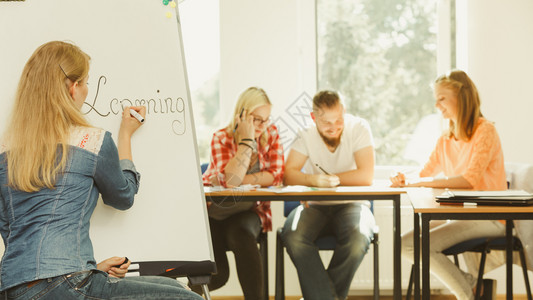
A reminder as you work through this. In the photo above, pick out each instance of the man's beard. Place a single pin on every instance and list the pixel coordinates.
(332, 142)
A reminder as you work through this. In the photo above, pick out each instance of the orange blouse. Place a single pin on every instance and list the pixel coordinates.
(479, 160)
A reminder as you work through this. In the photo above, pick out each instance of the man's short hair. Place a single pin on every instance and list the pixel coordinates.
(326, 99)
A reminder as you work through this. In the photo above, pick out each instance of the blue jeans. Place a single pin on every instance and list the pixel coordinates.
(97, 285)
(352, 225)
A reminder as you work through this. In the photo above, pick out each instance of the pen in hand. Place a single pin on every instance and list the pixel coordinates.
(237, 124)
(325, 172)
(330, 180)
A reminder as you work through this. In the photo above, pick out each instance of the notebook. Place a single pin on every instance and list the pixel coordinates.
(505, 198)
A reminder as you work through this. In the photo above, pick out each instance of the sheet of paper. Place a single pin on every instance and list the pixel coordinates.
(244, 187)
(287, 189)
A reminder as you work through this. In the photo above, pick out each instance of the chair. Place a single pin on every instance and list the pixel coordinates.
(323, 243)
(483, 246)
(262, 240)
(203, 167)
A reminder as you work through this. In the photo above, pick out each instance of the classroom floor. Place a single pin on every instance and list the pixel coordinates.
(434, 297)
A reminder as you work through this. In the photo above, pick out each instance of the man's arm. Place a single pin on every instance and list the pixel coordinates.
(294, 175)
(293, 167)
(364, 174)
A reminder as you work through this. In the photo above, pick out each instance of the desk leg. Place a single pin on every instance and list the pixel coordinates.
(416, 269)
(397, 248)
(509, 257)
(425, 257)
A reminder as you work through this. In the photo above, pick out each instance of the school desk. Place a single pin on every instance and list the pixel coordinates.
(375, 192)
(426, 208)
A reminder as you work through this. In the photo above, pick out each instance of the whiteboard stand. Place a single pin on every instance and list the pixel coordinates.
(206, 291)
(203, 281)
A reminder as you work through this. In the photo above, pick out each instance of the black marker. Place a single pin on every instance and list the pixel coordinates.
(322, 169)
(240, 116)
(125, 262)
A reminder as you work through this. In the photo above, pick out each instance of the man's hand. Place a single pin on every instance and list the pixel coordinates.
(323, 180)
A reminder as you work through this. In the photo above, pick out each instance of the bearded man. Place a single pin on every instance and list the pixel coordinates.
(336, 150)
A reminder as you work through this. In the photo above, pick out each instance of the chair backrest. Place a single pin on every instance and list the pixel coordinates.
(203, 167)
(520, 176)
(290, 205)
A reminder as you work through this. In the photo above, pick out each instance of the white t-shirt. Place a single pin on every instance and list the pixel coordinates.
(355, 136)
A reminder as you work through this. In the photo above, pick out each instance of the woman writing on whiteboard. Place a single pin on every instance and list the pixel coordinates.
(247, 152)
(470, 156)
(53, 167)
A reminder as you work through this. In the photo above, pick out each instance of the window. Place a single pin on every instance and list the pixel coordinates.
(200, 33)
(381, 56)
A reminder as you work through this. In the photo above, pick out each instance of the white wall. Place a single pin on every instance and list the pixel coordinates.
(269, 44)
(497, 52)
(499, 49)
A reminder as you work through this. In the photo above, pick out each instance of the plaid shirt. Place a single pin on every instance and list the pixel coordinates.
(270, 156)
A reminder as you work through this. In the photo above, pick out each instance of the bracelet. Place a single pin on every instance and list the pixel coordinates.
(241, 143)
(249, 140)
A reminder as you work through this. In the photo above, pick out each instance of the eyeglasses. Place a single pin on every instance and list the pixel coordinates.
(67, 75)
(258, 121)
(64, 72)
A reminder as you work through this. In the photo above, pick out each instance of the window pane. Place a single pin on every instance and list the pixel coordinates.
(381, 57)
(200, 32)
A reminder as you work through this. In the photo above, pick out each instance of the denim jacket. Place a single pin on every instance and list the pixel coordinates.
(46, 233)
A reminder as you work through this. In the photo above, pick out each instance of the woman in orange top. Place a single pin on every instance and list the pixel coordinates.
(470, 156)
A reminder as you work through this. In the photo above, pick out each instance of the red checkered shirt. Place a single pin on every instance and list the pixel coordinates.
(270, 156)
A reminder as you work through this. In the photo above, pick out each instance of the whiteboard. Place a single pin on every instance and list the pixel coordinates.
(136, 59)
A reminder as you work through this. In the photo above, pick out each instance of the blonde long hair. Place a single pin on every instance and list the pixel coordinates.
(43, 114)
(249, 100)
(468, 104)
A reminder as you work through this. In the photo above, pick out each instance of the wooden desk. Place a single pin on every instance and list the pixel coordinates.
(425, 207)
(376, 192)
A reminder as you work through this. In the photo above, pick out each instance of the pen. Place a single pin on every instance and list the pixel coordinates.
(124, 262)
(136, 115)
(322, 169)
(240, 116)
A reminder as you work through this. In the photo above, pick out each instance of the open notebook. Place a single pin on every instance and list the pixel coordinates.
(508, 198)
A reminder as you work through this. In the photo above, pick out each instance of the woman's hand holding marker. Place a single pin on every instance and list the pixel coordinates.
(136, 115)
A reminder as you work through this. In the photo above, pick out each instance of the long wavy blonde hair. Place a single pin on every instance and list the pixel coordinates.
(468, 104)
(249, 100)
(43, 114)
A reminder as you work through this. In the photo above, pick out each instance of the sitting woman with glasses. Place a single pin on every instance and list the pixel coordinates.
(247, 151)
(53, 167)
